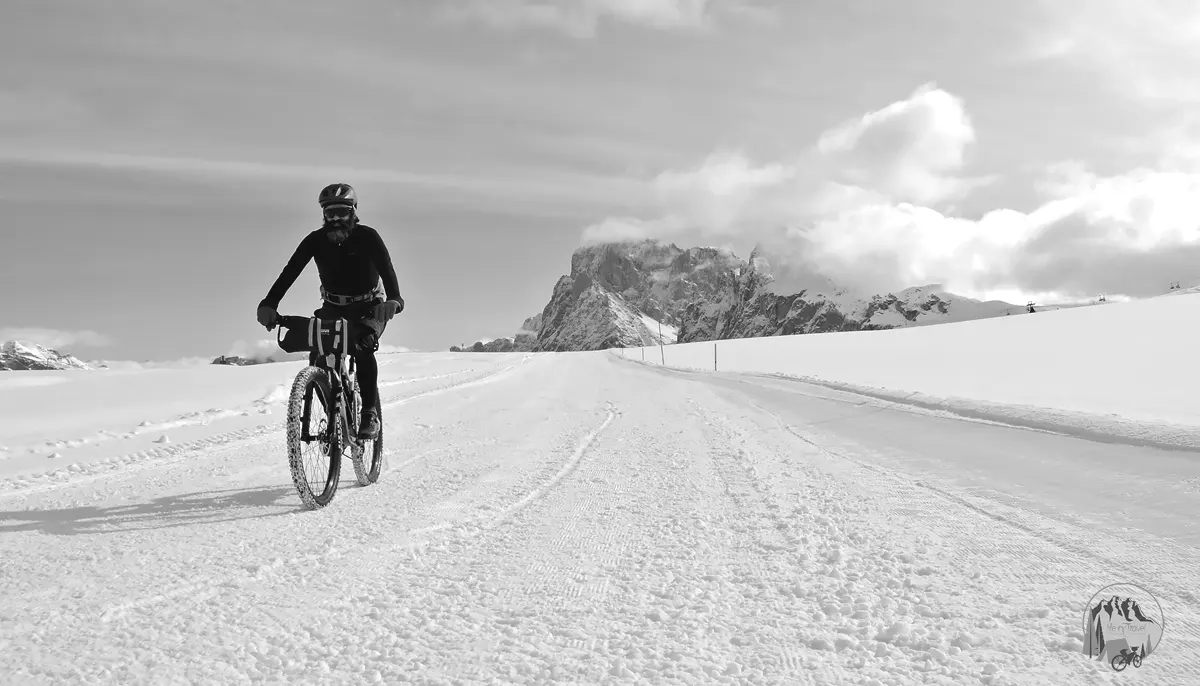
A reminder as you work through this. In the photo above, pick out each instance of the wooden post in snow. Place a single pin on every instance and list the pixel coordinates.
(714, 357)
(661, 354)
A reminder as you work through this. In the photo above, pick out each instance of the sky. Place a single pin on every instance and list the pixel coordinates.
(159, 161)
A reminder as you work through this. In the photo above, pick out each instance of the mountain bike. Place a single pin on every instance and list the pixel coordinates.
(1121, 659)
(327, 386)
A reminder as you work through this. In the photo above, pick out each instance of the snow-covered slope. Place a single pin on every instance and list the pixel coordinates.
(1126, 360)
(922, 305)
(16, 355)
(1184, 290)
(584, 519)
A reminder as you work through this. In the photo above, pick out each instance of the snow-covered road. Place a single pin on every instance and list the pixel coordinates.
(581, 518)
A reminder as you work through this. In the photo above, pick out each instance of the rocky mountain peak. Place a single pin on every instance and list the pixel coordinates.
(621, 294)
(24, 356)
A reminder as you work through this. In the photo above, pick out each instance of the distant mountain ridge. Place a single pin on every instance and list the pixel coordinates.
(621, 294)
(523, 341)
(23, 356)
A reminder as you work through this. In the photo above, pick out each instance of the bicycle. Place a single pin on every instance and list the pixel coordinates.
(1120, 660)
(331, 379)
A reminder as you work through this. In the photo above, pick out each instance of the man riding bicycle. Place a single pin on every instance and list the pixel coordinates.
(351, 260)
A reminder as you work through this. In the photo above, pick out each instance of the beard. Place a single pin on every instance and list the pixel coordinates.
(337, 232)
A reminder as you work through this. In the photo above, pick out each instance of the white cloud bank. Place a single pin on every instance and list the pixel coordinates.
(263, 350)
(870, 204)
(268, 349)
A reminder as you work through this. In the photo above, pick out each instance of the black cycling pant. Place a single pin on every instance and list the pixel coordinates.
(369, 330)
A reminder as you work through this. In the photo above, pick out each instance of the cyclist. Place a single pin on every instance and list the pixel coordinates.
(353, 264)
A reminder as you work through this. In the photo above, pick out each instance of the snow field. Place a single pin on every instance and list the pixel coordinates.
(577, 518)
(1121, 371)
(34, 450)
(953, 584)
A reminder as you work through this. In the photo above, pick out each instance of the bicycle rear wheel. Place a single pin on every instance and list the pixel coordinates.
(314, 427)
(369, 461)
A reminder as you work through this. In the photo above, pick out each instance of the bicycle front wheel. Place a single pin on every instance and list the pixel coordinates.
(314, 438)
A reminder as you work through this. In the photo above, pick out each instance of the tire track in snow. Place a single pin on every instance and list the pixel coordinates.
(571, 464)
(191, 420)
(604, 581)
(858, 580)
(1049, 558)
(891, 591)
(415, 379)
(544, 574)
(1047, 530)
(414, 540)
(488, 378)
(793, 569)
(482, 524)
(456, 567)
(736, 467)
(131, 463)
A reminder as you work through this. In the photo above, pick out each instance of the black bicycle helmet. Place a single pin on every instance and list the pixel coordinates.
(338, 194)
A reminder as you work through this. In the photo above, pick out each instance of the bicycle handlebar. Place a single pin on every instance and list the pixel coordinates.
(288, 321)
(293, 320)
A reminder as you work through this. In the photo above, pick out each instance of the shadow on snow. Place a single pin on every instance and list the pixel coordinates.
(204, 507)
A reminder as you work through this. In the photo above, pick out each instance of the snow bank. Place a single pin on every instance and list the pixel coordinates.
(1120, 370)
(79, 419)
(46, 407)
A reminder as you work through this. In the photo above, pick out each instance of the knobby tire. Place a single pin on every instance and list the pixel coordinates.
(373, 457)
(312, 387)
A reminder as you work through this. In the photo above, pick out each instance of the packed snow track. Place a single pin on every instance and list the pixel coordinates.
(580, 518)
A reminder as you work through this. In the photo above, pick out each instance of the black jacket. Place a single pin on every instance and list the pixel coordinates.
(351, 268)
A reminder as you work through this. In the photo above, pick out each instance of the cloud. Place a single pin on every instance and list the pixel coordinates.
(264, 350)
(1148, 49)
(130, 365)
(55, 338)
(581, 18)
(524, 184)
(910, 151)
(620, 229)
(268, 349)
(867, 206)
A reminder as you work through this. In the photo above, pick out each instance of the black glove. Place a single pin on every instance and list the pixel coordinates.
(267, 316)
(386, 310)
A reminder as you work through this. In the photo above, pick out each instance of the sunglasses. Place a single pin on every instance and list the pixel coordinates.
(340, 212)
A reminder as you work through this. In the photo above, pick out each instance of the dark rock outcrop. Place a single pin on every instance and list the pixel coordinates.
(622, 294)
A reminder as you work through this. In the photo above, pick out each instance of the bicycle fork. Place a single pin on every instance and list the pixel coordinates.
(341, 399)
